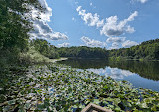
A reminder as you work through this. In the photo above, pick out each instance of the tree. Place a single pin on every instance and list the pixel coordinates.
(44, 48)
(15, 25)
(15, 22)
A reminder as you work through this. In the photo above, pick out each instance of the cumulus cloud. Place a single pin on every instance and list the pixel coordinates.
(64, 44)
(114, 28)
(89, 18)
(41, 28)
(129, 43)
(116, 39)
(115, 45)
(92, 43)
(111, 27)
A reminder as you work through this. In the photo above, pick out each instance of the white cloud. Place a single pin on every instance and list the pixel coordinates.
(114, 28)
(116, 39)
(91, 4)
(111, 27)
(116, 73)
(129, 43)
(48, 13)
(64, 44)
(92, 43)
(100, 23)
(41, 28)
(115, 45)
(130, 29)
(89, 18)
(142, 1)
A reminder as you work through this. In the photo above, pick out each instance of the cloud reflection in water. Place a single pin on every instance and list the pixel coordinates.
(114, 73)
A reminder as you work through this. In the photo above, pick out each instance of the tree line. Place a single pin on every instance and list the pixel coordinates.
(148, 50)
(51, 51)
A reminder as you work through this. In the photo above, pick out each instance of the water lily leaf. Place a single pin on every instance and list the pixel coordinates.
(96, 101)
(27, 105)
(117, 109)
(154, 108)
(81, 106)
(11, 102)
(144, 105)
(21, 110)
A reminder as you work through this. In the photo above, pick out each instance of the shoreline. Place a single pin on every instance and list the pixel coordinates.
(55, 60)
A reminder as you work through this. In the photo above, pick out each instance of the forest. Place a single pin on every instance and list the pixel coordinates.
(148, 50)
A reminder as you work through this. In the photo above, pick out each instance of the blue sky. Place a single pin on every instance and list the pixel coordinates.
(101, 23)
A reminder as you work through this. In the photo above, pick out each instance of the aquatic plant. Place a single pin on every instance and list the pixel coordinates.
(60, 88)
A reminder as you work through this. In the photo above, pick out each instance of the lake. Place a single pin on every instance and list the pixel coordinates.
(140, 74)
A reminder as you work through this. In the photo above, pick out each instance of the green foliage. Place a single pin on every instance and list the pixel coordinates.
(14, 27)
(8, 58)
(82, 52)
(45, 48)
(148, 50)
(32, 57)
(60, 88)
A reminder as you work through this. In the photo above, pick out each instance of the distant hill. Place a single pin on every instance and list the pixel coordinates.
(148, 50)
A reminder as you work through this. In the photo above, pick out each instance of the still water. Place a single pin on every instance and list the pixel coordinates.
(140, 74)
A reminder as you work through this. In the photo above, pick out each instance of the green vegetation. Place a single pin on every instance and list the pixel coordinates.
(148, 50)
(45, 48)
(32, 57)
(82, 52)
(60, 88)
(14, 28)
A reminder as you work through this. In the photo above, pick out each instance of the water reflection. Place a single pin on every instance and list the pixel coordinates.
(114, 73)
(140, 74)
(149, 70)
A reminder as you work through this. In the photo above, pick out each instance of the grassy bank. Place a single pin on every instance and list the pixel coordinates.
(59, 88)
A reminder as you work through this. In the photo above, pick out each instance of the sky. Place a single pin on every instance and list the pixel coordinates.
(111, 24)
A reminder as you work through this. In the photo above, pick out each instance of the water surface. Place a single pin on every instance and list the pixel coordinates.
(140, 74)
